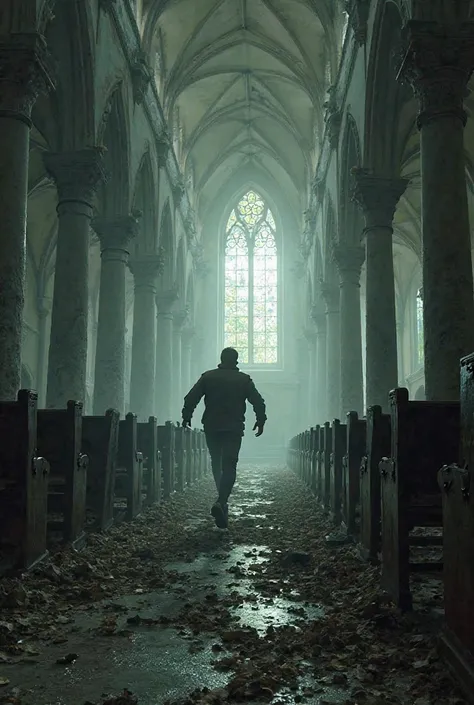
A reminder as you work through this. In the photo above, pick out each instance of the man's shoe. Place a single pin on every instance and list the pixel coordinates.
(220, 515)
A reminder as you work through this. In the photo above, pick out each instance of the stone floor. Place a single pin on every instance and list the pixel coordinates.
(173, 610)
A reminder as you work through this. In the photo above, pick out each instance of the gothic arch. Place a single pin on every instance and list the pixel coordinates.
(351, 223)
(144, 200)
(386, 97)
(69, 37)
(167, 243)
(114, 195)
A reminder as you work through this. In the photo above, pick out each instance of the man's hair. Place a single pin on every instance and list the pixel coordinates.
(229, 356)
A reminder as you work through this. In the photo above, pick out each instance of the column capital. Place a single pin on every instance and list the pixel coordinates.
(349, 260)
(25, 72)
(116, 233)
(162, 150)
(438, 64)
(165, 300)
(146, 269)
(330, 294)
(77, 174)
(358, 13)
(178, 192)
(377, 196)
(181, 317)
(141, 77)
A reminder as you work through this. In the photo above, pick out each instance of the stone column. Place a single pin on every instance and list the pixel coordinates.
(23, 76)
(179, 319)
(187, 336)
(115, 236)
(142, 383)
(331, 296)
(44, 309)
(378, 198)
(77, 175)
(165, 300)
(320, 321)
(349, 261)
(438, 64)
(309, 379)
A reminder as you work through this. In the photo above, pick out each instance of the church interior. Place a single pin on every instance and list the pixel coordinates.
(293, 179)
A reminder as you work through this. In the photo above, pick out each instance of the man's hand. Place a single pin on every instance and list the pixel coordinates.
(259, 428)
(186, 424)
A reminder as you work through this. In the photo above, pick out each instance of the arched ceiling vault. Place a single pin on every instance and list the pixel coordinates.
(246, 79)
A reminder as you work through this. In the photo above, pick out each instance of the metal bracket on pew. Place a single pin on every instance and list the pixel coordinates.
(39, 465)
(364, 465)
(387, 468)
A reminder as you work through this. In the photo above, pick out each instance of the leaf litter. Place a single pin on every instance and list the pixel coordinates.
(360, 646)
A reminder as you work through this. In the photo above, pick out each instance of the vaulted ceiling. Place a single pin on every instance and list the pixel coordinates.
(246, 81)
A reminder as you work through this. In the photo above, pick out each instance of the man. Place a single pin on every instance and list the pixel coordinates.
(225, 391)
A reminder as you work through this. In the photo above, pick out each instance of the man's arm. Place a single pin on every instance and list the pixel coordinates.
(256, 399)
(192, 399)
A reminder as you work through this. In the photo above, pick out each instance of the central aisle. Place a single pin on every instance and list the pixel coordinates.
(170, 605)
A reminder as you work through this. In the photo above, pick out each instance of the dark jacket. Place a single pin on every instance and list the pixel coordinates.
(225, 391)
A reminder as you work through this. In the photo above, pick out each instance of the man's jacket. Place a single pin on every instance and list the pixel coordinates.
(225, 391)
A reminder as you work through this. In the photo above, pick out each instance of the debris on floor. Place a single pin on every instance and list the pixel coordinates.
(175, 611)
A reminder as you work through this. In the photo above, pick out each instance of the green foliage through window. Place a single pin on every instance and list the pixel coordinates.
(251, 282)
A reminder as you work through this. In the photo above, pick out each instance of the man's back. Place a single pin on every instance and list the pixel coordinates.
(225, 391)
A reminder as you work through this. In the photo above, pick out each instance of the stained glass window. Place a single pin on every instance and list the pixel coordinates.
(420, 338)
(251, 282)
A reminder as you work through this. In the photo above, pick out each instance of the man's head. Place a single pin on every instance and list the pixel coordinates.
(229, 357)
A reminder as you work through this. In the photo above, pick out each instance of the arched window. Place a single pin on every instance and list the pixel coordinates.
(420, 338)
(251, 282)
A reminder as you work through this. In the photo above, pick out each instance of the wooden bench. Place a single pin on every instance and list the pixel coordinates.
(315, 433)
(129, 473)
(320, 466)
(100, 444)
(147, 441)
(355, 451)
(180, 456)
(338, 450)
(59, 439)
(166, 446)
(325, 467)
(23, 485)
(189, 474)
(377, 447)
(425, 436)
(457, 491)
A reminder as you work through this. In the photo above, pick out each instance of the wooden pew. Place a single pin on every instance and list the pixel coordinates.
(190, 457)
(199, 455)
(100, 444)
(320, 486)
(324, 463)
(166, 445)
(129, 473)
(457, 491)
(147, 442)
(355, 451)
(425, 436)
(338, 450)
(314, 459)
(180, 456)
(59, 439)
(23, 485)
(377, 447)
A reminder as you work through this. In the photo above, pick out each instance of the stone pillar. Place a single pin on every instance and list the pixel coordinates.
(378, 198)
(179, 319)
(77, 175)
(309, 379)
(438, 64)
(44, 309)
(165, 301)
(23, 76)
(142, 383)
(187, 380)
(109, 385)
(349, 261)
(331, 297)
(320, 321)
